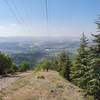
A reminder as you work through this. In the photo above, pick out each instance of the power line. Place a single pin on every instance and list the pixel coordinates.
(16, 9)
(46, 5)
(12, 10)
(19, 19)
(47, 21)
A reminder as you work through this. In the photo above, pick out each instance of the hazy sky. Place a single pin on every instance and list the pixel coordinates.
(66, 17)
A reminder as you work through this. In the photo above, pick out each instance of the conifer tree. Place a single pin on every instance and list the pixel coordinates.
(93, 87)
(64, 65)
(80, 67)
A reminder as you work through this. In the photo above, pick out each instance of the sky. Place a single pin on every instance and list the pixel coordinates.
(65, 17)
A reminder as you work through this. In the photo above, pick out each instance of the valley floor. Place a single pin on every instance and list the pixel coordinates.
(41, 86)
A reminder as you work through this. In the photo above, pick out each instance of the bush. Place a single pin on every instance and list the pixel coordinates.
(5, 63)
(13, 69)
(44, 65)
(24, 66)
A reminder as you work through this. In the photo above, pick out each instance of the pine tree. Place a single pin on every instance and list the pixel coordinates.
(64, 65)
(96, 47)
(93, 87)
(80, 67)
(93, 84)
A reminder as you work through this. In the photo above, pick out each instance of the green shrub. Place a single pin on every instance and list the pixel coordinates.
(24, 66)
(5, 63)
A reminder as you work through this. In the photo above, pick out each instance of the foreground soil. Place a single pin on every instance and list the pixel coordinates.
(9, 79)
(41, 86)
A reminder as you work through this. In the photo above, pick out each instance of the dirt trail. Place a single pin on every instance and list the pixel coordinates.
(7, 81)
(42, 86)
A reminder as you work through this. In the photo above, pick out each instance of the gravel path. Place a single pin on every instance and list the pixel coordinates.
(7, 81)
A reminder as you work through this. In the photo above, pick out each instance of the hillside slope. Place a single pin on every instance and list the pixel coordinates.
(41, 86)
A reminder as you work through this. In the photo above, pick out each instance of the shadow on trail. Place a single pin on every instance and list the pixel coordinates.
(9, 76)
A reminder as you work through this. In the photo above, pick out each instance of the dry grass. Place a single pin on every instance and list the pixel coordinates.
(51, 87)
